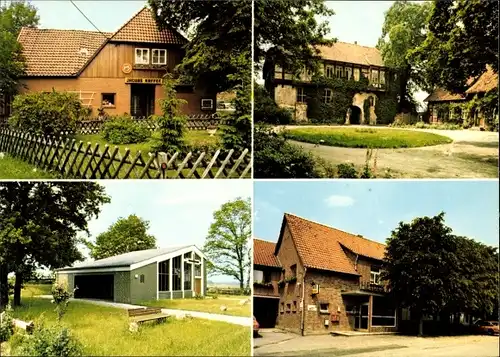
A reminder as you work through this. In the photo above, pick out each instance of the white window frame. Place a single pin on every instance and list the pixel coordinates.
(382, 78)
(329, 71)
(327, 95)
(301, 95)
(356, 74)
(143, 50)
(375, 277)
(159, 50)
(348, 73)
(323, 311)
(204, 106)
(340, 71)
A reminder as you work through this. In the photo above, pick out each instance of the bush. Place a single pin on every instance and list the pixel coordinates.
(274, 157)
(61, 297)
(46, 113)
(266, 110)
(50, 342)
(6, 325)
(347, 171)
(123, 130)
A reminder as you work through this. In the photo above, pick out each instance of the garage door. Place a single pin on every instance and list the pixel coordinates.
(94, 287)
(265, 311)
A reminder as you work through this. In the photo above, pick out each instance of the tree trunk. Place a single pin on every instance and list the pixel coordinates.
(17, 288)
(4, 287)
(421, 326)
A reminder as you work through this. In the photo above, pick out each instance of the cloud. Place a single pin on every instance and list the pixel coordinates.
(339, 201)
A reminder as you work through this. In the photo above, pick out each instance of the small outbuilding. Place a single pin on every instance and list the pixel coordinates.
(152, 274)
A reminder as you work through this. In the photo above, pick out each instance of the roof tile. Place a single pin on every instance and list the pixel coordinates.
(352, 53)
(486, 82)
(263, 253)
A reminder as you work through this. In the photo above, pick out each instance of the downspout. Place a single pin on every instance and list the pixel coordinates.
(356, 262)
(302, 317)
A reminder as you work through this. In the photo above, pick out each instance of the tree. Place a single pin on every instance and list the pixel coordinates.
(402, 32)
(462, 39)
(125, 235)
(169, 137)
(227, 242)
(286, 33)
(420, 265)
(12, 18)
(39, 222)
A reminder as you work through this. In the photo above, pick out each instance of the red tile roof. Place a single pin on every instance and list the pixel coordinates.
(442, 95)
(486, 82)
(142, 28)
(352, 53)
(320, 246)
(58, 52)
(263, 253)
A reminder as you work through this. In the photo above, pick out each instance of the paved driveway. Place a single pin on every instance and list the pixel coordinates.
(287, 344)
(472, 154)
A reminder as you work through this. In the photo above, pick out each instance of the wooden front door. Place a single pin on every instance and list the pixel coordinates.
(197, 286)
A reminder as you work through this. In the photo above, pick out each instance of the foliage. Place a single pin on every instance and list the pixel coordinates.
(365, 137)
(286, 33)
(451, 53)
(40, 218)
(386, 109)
(266, 110)
(17, 15)
(227, 242)
(6, 325)
(263, 284)
(403, 31)
(237, 130)
(169, 136)
(125, 235)
(54, 341)
(46, 113)
(366, 110)
(275, 157)
(60, 297)
(123, 130)
(347, 171)
(199, 297)
(422, 125)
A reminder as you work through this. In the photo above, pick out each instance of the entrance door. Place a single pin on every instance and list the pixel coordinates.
(197, 286)
(361, 321)
(142, 100)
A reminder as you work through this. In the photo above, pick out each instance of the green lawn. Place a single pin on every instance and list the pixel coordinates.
(104, 331)
(192, 137)
(206, 305)
(366, 137)
(11, 168)
(30, 290)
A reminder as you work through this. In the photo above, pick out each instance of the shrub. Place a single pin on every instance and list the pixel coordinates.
(347, 171)
(123, 130)
(46, 113)
(199, 297)
(53, 341)
(6, 325)
(274, 157)
(266, 110)
(61, 297)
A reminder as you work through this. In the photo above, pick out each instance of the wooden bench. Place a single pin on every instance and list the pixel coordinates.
(138, 316)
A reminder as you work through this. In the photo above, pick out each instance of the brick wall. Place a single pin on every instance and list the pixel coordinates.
(275, 277)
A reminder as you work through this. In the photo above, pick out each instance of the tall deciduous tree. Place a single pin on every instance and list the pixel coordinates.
(17, 15)
(403, 30)
(39, 223)
(125, 235)
(420, 265)
(227, 244)
(462, 39)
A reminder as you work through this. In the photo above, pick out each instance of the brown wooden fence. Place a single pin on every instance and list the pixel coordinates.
(68, 158)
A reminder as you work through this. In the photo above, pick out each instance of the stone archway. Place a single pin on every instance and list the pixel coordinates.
(358, 101)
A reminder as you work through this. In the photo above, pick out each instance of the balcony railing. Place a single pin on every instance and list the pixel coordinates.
(372, 287)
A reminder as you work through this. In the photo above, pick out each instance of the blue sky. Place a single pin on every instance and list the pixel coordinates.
(179, 211)
(374, 208)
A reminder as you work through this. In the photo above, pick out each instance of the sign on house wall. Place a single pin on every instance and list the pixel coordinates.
(312, 308)
(144, 80)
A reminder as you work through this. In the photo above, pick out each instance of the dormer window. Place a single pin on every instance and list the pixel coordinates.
(159, 56)
(142, 55)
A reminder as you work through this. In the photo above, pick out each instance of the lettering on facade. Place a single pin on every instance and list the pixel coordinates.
(144, 80)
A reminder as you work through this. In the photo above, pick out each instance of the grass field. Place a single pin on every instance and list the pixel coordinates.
(30, 290)
(11, 168)
(104, 331)
(206, 305)
(366, 137)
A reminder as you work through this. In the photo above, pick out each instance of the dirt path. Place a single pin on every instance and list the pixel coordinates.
(472, 154)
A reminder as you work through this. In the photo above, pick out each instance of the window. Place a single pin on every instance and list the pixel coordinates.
(267, 277)
(141, 278)
(207, 104)
(176, 278)
(339, 71)
(324, 308)
(197, 267)
(293, 269)
(258, 275)
(159, 56)
(108, 99)
(365, 72)
(294, 307)
(329, 71)
(382, 78)
(163, 274)
(288, 308)
(375, 275)
(187, 275)
(301, 96)
(383, 313)
(348, 73)
(356, 74)
(282, 307)
(327, 96)
(142, 56)
(374, 78)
